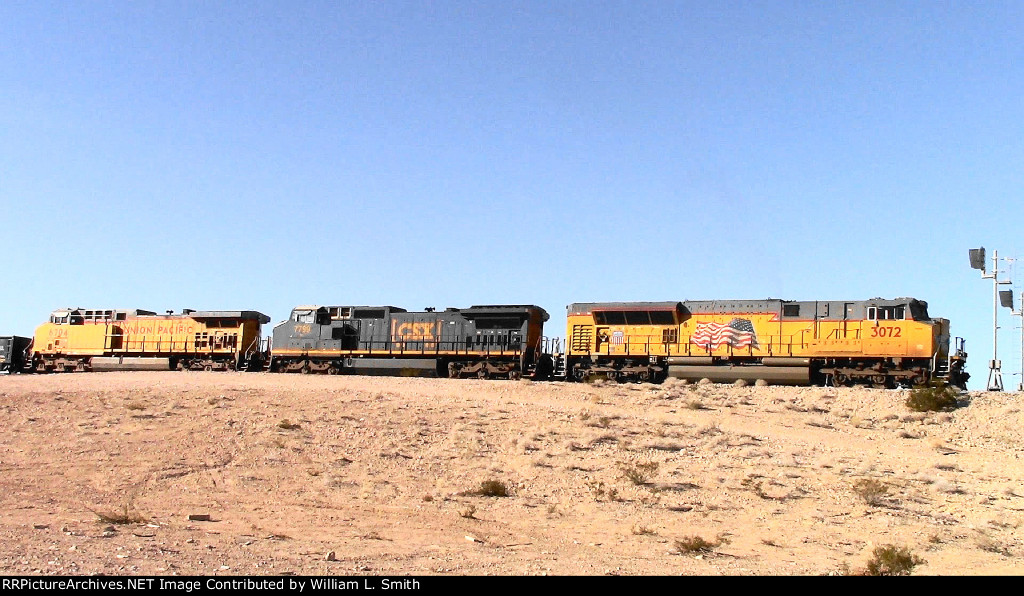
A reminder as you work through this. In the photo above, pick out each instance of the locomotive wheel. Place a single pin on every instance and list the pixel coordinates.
(840, 380)
(879, 379)
(580, 374)
(514, 375)
(208, 368)
(482, 373)
(305, 369)
(644, 376)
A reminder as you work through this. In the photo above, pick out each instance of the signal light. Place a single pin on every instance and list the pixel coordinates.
(978, 258)
(1006, 298)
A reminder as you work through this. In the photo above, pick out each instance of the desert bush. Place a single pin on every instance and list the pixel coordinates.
(872, 491)
(127, 515)
(934, 397)
(892, 560)
(492, 488)
(991, 545)
(287, 424)
(697, 544)
(639, 473)
(601, 491)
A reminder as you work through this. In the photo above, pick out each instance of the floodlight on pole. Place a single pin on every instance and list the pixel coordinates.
(977, 256)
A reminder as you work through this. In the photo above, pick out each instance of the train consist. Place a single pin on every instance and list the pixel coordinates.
(878, 342)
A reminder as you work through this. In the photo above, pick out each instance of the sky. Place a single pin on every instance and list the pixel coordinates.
(262, 155)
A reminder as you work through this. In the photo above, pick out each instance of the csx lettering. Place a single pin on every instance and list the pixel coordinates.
(415, 330)
(886, 331)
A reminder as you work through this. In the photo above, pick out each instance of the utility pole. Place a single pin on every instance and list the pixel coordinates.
(1006, 298)
(977, 255)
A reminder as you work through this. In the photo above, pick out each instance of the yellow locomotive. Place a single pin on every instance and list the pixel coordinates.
(879, 342)
(76, 339)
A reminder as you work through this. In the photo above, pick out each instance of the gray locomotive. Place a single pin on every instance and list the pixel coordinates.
(495, 341)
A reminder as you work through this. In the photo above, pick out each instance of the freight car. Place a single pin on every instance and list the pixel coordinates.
(14, 353)
(879, 342)
(497, 341)
(76, 339)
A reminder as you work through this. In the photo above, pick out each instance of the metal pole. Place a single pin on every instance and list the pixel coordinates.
(995, 376)
(1020, 313)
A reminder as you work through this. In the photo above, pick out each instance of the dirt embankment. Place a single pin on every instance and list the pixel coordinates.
(386, 476)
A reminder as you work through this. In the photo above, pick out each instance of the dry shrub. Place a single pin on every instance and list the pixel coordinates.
(601, 491)
(935, 397)
(492, 488)
(639, 473)
(127, 515)
(697, 544)
(872, 491)
(892, 560)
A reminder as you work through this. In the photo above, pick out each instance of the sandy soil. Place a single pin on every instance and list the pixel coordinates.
(317, 475)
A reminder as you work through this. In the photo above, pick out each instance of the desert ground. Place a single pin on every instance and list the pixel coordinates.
(192, 473)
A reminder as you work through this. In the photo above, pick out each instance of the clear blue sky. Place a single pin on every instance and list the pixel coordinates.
(261, 155)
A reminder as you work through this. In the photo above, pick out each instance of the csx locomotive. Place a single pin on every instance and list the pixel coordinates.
(500, 341)
(879, 342)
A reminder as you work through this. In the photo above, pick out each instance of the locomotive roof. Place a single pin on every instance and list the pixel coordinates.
(501, 309)
(229, 314)
(485, 309)
(103, 313)
(79, 310)
(585, 307)
(764, 304)
(319, 306)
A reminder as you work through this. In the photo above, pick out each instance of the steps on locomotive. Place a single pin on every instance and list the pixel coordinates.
(560, 362)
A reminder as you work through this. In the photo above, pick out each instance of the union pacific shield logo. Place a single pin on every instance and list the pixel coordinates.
(739, 333)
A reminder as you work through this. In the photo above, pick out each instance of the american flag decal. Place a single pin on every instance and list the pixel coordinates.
(739, 333)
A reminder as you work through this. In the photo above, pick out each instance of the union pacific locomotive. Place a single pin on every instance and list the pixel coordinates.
(77, 339)
(879, 342)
